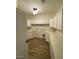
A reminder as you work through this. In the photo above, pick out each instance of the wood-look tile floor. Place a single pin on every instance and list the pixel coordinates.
(38, 49)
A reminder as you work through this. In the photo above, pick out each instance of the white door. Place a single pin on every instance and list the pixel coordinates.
(20, 34)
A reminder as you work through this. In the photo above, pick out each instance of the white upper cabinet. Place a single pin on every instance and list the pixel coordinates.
(56, 21)
(59, 20)
(28, 23)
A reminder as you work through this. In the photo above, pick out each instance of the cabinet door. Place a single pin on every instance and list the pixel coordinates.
(57, 21)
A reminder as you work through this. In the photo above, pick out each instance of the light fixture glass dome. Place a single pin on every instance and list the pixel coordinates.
(34, 11)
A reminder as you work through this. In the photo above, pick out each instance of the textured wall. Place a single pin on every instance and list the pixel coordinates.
(37, 31)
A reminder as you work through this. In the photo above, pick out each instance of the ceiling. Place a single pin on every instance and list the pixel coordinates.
(50, 7)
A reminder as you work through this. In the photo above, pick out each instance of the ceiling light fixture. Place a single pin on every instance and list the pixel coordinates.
(34, 11)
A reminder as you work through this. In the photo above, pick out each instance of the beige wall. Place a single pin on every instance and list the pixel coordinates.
(38, 19)
(57, 44)
(20, 34)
